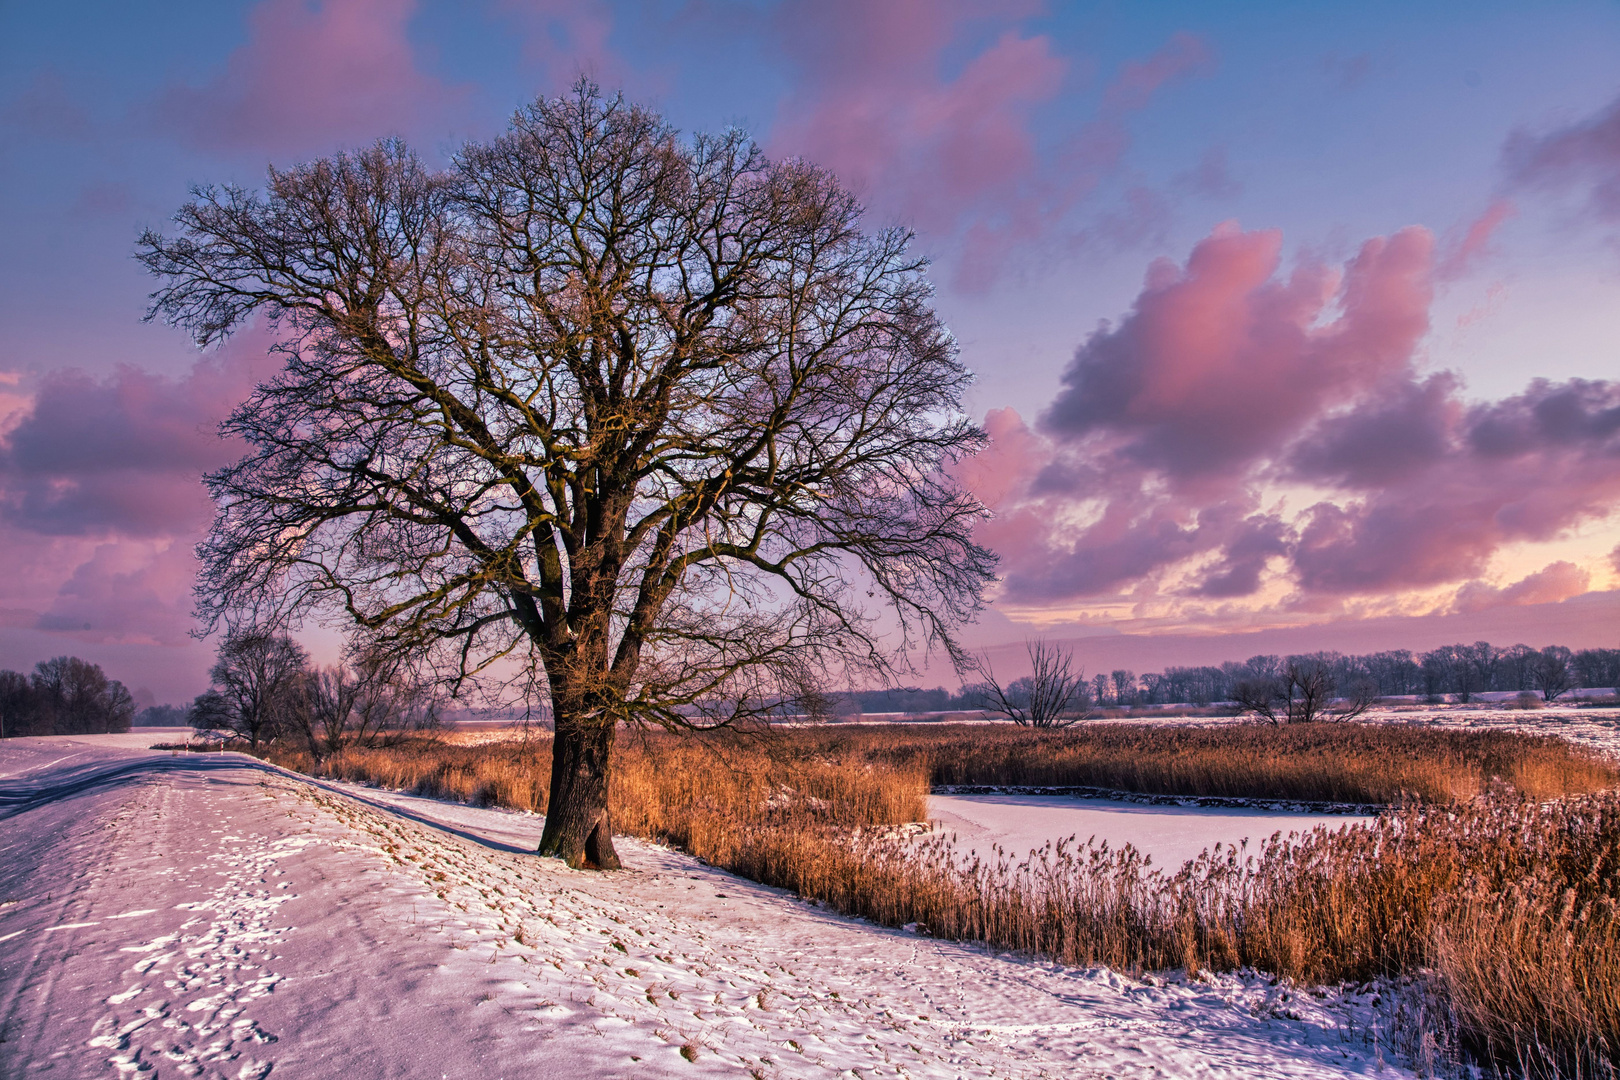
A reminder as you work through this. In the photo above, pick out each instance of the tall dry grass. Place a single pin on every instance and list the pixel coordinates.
(1502, 899)
(662, 787)
(1323, 762)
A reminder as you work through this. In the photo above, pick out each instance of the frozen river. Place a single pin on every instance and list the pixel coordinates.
(1169, 834)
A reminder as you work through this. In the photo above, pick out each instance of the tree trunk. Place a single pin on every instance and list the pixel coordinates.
(577, 827)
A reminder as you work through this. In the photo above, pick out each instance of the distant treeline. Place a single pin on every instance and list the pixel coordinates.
(1459, 671)
(64, 696)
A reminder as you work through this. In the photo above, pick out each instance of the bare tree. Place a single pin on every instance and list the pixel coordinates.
(1053, 695)
(1479, 662)
(1124, 682)
(1301, 692)
(365, 699)
(653, 422)
(16, 705)
(74, 696)
(1550, 672)
(261, 678)
(64, 696)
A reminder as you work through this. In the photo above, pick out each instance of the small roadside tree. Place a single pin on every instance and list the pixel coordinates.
(259, 679)
(654, 420)
(1053, 695)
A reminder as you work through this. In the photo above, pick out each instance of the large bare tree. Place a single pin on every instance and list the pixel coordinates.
(650, 419)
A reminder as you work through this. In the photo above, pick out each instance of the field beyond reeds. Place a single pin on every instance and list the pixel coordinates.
(1495, 885)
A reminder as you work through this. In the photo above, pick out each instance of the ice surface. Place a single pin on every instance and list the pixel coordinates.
(163, 916)
(1170, 835)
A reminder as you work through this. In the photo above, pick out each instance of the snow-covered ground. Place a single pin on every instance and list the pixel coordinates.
(1592, 727)
(1169, 835)
(174, 915)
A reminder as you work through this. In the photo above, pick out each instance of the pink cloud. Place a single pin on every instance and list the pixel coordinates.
(124, 592)
(1583, 157)
(1184, 55)
(1474, 244)
(878, 112)
(100, 481)
(568, 38)
(47, 107)
(1404, 427)
(309, 74)
(121, 455)
(1151, 472)
(1211, 177)
(953, 148)
(1221, 362)
(1552, 584)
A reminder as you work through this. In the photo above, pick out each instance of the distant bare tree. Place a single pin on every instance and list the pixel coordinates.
(1124, 686)
(369, 697)
(1518, 667)
(1355, 699)
(1302, 692)
(1053, 695)
(1477, 668)
(260, 678)
(77, 697)
(653, 421)
(1597, 667)
(16, 704)
(1551, 673)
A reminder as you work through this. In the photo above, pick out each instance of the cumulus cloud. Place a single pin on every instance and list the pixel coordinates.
(1222, 361)
(1391, 435)
(1527, 468)
(875, 107)
(311, 73)
(1164, 466)
(121, 455)
(1551, 584)
(100, 482)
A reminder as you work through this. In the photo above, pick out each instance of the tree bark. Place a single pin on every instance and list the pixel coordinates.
(578, 830)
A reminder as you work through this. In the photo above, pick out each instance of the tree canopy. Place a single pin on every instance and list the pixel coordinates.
(653, 417)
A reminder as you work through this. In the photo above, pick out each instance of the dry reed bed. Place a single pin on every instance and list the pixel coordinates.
(1324, 762)
(1505, 903)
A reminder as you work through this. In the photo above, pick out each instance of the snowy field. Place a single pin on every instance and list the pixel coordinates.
(171, 915)
(1596, 728)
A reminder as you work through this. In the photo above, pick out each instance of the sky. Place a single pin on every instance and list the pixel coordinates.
(1290, 323)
